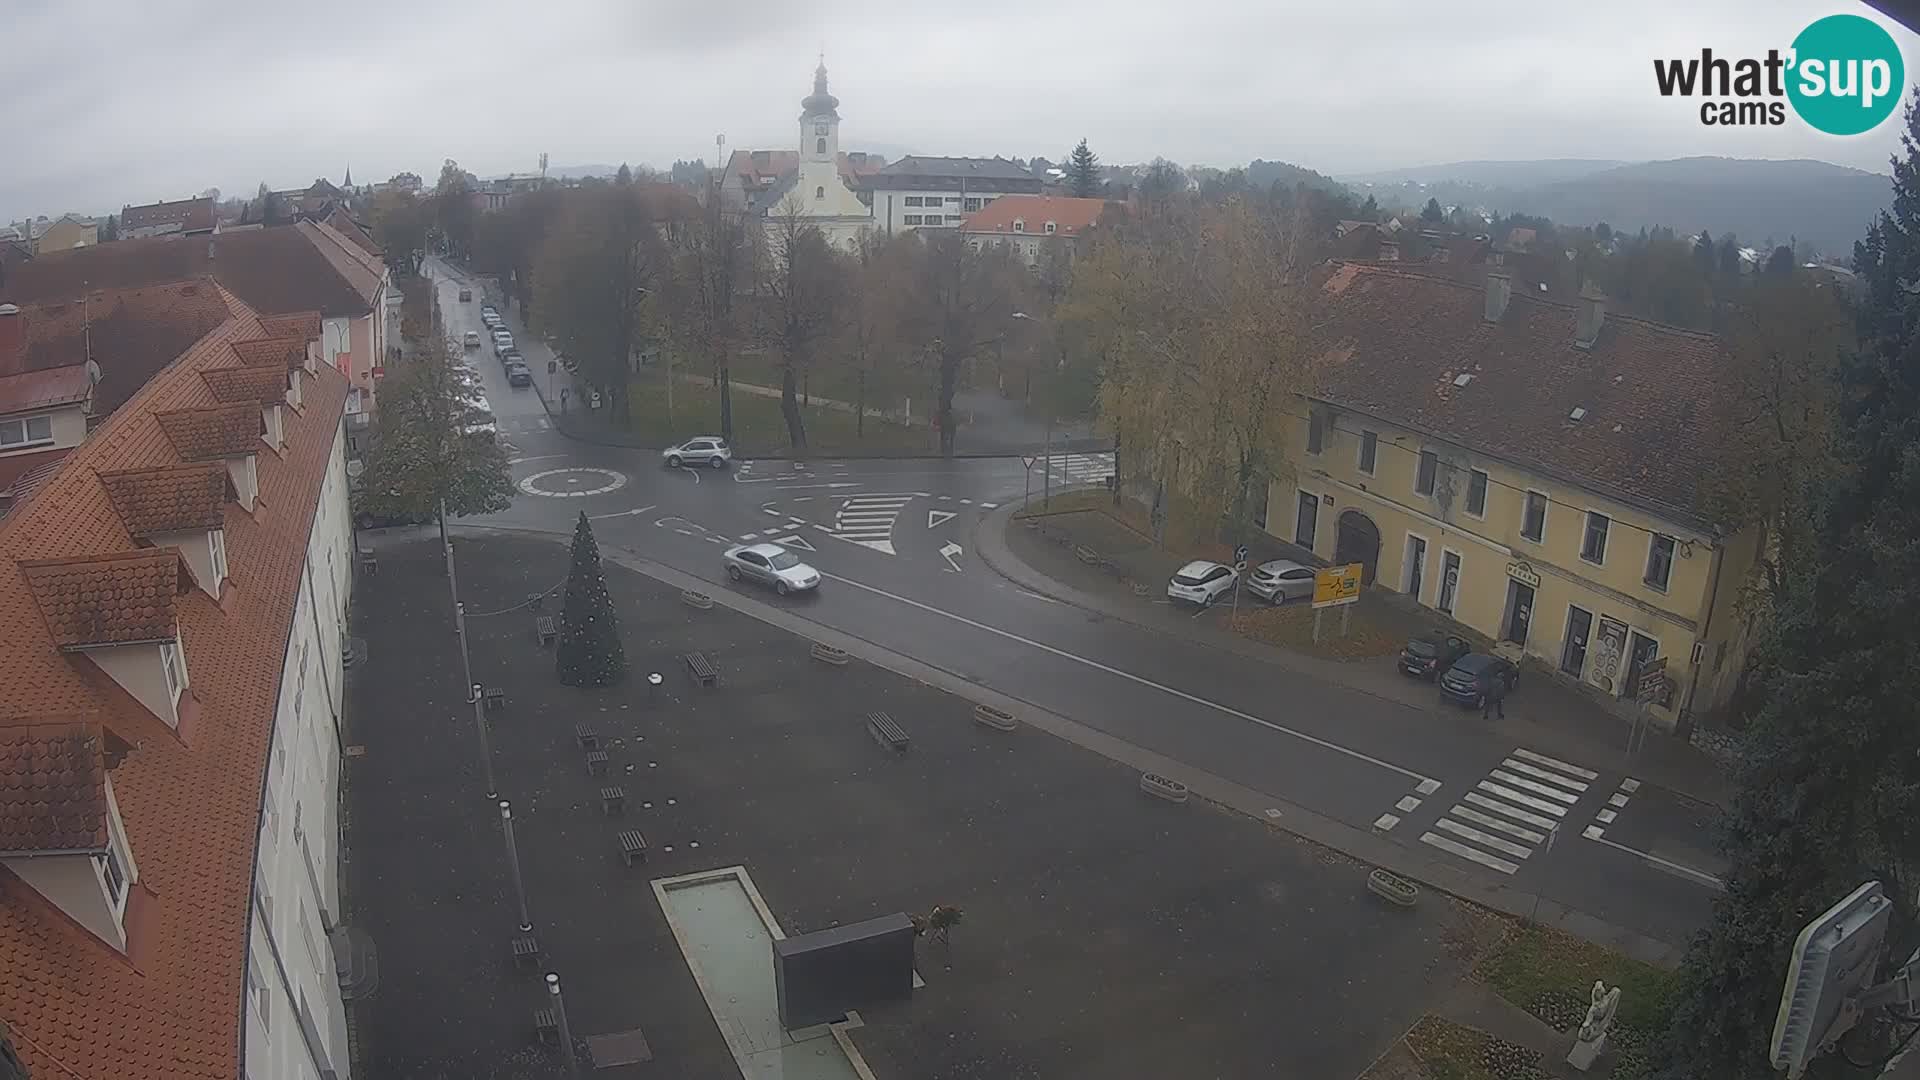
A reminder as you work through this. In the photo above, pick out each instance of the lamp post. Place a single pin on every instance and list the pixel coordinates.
(513, 864)
(560, 1018)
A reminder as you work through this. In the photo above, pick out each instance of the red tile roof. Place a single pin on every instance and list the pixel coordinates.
(764, 168)
(116, 598)
(191, 809)
(1395, 340)
(361, 271)
(304, 325)
(282, 352)
(259, 385)
(1071, 217)
(29, 390)
(342, 222)
(278, 270)
(14, 468)
(213, 432)
(191, 215)
(131, 333)
(168, 498)
(53, 790)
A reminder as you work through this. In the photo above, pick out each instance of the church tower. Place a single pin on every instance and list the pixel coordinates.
(820, 121)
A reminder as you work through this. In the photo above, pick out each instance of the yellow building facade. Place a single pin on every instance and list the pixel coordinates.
(1492, 523)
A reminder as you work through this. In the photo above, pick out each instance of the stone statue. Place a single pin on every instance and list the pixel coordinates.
(1591, 1041)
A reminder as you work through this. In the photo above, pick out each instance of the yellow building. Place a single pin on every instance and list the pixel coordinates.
(67, 233)
(1528, 468)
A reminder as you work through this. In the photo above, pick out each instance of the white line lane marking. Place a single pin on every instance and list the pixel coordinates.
(1629, 785)
(1428, 787)
(1466, 852)
(1511, 795)
(1525, 784)
(1543, 774)
(1130, 677)
(1488, 839)
(1407, 804)
(1385, 822)
(1617, 800)
(1468, 814)
(1605, 817)
(1513, 812)
(1542, 759)
(1699, 877)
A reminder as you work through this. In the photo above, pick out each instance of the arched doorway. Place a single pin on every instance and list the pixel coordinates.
(1358, 541)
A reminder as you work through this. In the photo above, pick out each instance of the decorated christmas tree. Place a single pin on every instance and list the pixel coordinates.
(589, 651)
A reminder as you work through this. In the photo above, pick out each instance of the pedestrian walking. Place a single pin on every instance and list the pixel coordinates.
(1494, 701)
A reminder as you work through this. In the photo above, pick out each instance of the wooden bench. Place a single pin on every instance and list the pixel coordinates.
(496, 698)
(596, 763)
(888, 733)
(546, 1027)
(584, 734)
(544, 631)
(632, 846)
(702, 669)
(613, 800)
(526, 951)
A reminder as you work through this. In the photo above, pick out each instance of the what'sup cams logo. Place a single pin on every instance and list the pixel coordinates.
(1843, 76)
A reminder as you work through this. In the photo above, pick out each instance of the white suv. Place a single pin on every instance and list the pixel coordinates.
(700, 450)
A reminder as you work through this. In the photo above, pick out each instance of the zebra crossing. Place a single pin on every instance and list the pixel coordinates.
(1511, 813)
(1080, 468)
(868, 520)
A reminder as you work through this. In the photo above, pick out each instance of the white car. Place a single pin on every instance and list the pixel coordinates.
(483, 420)
(472, 339)
(1281, 580)
(1201, 582)
(770, 564)
(699, 450)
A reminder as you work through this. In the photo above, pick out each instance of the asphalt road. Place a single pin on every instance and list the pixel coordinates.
(894, 538)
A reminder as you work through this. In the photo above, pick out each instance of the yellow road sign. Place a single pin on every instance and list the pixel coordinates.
(1336, 585)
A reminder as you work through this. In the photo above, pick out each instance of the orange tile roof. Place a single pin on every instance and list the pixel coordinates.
(131, 333)
(215, 431)
(288, 352)
(116, 598)
(259, 385)
(168, 498)
(1070, 216)
(40, 389)
(53, 790)
(304, 325)
(360, 270)
(191, 809)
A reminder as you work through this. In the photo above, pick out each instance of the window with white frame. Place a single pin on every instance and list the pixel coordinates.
(260, 994)
(1533, 518)
(911, 219)
(1050, 228)
(1659, 560)
(1593, 544)
(1369, 451)
(1477, 492)
(25, 431)
(914, 200)
(115, 873)
(217, 546)
(973, 204)
(1019, 226)
(1423, 480)
(175, 669)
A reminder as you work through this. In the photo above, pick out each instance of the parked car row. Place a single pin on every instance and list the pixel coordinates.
(1203, 582)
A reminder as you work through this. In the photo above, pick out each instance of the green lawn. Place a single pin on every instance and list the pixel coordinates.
(758, 426)
(1551, 974)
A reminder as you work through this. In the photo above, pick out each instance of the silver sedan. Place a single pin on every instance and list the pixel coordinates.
(770, 564)
(1281, 580)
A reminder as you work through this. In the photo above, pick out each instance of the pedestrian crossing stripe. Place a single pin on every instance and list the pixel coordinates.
(796, 541)
(868, 520)
(1515, 810)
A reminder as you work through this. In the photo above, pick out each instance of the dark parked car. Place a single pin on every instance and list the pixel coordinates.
(1471, 676)
(1432, 653)
(518, 375)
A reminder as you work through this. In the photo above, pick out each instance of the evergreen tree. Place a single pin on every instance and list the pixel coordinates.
(624, 176)
(1829, 792)
(1370, 210)
(1083, 172)
(1703, 252)
(1433, 213)
(1729, 255)
(1781, 261)
(589, 652)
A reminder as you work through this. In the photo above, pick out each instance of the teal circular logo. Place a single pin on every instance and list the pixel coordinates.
(1846, 75)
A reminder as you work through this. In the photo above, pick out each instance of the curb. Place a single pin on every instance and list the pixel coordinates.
(1371, 849)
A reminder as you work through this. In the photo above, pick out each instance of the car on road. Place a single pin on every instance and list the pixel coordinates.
(518, 375)
(700, 450)
(491, 321)
(1201, 582)
(1281, 580)
(1429, 654)
(1472, 676)
(466, 295)
(511, 357)
(770, 564)
(471, 339)
(502, 341)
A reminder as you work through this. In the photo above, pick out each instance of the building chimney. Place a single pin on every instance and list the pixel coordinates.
(1593, 312)
(1499, 291)
(13, 336)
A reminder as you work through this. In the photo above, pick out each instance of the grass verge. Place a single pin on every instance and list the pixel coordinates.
(1551, 974)
(1450, 1051)
(759, 427)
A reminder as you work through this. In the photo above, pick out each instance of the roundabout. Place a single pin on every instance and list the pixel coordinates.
(571, 483)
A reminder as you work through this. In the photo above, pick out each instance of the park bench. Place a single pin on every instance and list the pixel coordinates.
(496, 698)
(888, 733)
(596, 763)
(544, 630)
(546, 1027)
(526, 951)
(632, 846)
(584, 734)
(613, 800)
(702, 669)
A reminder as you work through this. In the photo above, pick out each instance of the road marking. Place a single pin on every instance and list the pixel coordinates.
(951, 552)
(536, 457)
(1407, 804)
(1385, 822)
(635, 512)
(811, 487)
(1494, 823)
(1504, 798)
(1483, 839)
(1466, 852)
(1543, 774)
(744, 537)
(1542, 759)
(868, 520)
(1138, 680)
(1525, 784)
(1698, 877)
(1605, 817)
(684, 532)
(1618, 800)
(1036, 596)
(991, 506)
(770, 513)
(1629, 785)
(1428, 787)
(1615, 804)
(796, 541)
(935, 517)
(1511, 811)
(1541, 805)
(611, 481)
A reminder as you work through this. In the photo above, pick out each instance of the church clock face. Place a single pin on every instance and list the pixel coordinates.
(819, 129)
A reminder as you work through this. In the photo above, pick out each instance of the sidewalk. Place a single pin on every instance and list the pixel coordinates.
(1550, 717)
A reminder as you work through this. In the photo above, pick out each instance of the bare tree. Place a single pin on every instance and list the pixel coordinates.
(961, 300)
(801, 290)
(594, 273)
(710, 265)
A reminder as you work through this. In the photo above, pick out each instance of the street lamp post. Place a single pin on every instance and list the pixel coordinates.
(486, 749)
(560, 1018)
(513, 864)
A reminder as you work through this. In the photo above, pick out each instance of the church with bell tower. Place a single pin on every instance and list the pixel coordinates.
(815, 183)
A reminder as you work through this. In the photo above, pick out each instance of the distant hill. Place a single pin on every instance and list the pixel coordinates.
(1827, 206)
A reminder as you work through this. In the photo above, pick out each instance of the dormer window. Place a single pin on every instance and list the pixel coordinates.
(1019, 225)
(1049, 228)
(174, 666)
(63, 836)
(23, 432)
(217, 550)
(293, 389)
(820, 192)
(120, 612)
(274, 426)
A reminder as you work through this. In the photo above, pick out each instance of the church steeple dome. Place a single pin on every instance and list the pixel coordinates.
(820, 102)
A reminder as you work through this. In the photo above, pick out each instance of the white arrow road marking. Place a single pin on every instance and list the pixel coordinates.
(810, 487)
(635, 512)
(948, 553)
(935, 517)
(796, 541)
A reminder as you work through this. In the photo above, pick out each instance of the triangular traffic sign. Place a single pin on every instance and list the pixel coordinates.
(937, 517)
(796, 541)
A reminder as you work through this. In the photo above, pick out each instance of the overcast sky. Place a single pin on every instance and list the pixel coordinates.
(125, 101)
